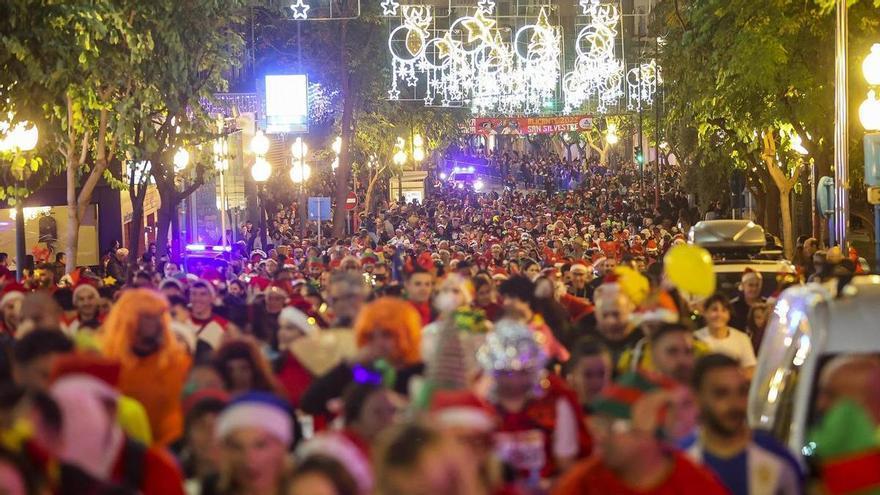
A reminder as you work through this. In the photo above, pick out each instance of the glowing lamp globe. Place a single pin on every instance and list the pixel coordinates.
(869, 112)
(181, 160)
(871, 66)
(260, 144)
(612, 138)
(418, 141)
(27, 136)
(261, 170)
(299, 149)
(300, 172)
(22, 137)
(399, 157)
(418, 154)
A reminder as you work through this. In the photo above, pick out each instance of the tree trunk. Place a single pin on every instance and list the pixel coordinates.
(342, 173)
(371, 187)
(787, 228)
(166, 214)
(136, 230)
(175, 234)
(72, 218)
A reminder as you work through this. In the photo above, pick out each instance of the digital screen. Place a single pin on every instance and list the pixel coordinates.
(287, 104)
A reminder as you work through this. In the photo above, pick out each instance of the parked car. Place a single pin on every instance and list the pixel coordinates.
(736, 245)
(810, 325)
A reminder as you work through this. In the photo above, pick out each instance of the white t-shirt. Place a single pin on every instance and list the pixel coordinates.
(737, 345)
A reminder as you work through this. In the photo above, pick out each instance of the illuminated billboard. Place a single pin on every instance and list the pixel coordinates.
(286, 104)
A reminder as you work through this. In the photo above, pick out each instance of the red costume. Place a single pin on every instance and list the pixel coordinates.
(594, 477)
(526, 438)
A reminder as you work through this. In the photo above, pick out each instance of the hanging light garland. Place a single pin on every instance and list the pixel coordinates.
(472, 64)
(598, 73)
(642, 86)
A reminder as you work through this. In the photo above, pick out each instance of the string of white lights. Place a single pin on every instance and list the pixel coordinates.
(597, 72)
(471, 62)
(495, 69)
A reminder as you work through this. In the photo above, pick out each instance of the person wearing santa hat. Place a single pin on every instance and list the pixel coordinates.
(87, 314)
(255, 431)
(210, 329)
(581, 276)
(291, 372)
(92, 439)
(10, 308)
(471, 421)
(541, 426)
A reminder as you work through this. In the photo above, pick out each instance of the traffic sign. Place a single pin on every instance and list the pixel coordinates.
(825, 196)
(351, 201)
(319, 208)
(874, 195)
(872, 159)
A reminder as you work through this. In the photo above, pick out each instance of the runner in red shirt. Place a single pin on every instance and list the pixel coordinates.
(630, 459)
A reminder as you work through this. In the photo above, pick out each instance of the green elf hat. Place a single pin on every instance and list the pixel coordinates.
(618, 399)
(847, 444)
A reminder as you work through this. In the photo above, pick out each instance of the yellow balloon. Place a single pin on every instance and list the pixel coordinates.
(689, 268)
(633, 284)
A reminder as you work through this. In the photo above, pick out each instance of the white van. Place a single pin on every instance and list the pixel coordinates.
(810, 325)
(736, 245)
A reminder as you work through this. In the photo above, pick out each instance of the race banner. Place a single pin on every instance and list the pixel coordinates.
(530, 125)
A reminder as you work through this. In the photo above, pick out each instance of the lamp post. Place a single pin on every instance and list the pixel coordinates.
(841, 157)
(221, 164)
(416, 153)
(399, 159)
(869, 114)
(21, 138)
(299, 174)
(260, 172)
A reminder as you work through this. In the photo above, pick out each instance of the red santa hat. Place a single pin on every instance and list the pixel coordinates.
(261, 283)
(84, 286)
(11, 292)
(460, 408)
(96, 367)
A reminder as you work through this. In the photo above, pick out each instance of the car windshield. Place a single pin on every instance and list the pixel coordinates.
(728, 283)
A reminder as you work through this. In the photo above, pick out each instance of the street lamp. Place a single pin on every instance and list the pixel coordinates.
(181, 160)
(261, 170)
(611, 136)
(869, 114)
(871, 66)
(22, 137)
(418, 148)
(221, 164)
(299, 174)
(399, 159)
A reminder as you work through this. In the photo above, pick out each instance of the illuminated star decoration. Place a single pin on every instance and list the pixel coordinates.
(587, 5)
(389, 7)
(300, 10)
(488, 6)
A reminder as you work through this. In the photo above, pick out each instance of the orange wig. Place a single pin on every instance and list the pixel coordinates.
(396, 316)
(156, 381)
(122, 321)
